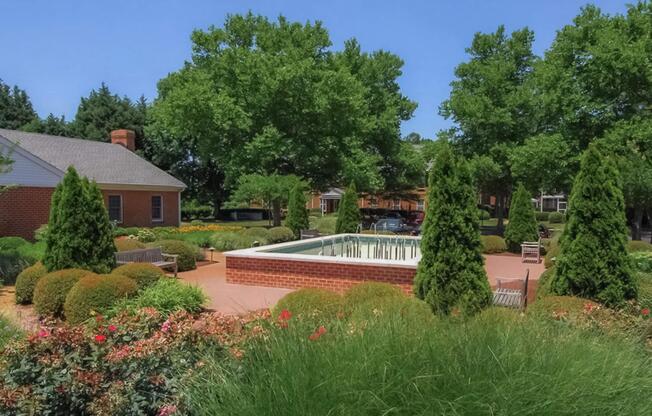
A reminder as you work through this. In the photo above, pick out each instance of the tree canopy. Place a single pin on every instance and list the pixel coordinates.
(15, 107)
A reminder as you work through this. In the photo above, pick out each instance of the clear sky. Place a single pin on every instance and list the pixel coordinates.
(59, 50)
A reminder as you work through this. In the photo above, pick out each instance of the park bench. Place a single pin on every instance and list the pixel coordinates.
(309, 234)
(531, 251)
(511, 297)
(148, 255)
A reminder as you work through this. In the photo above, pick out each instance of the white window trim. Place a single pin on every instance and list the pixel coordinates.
(421, 205)
(122, 207)
(151, 206)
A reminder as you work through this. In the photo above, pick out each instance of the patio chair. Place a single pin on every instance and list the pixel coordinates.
(511, 297)
(531, 251)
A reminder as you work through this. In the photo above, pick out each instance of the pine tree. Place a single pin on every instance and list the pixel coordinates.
(593, 261)
(51, 237)
(348, 214)
(451, 272)
(100, 232)
(522, 224)
(297, 218)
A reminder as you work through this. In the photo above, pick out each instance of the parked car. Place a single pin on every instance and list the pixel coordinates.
(395, 225)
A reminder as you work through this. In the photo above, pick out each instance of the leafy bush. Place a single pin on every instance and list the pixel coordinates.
(370, 292)
(310, 304)
(193, 210)
(12, 262)
(492, 244)
(542, 215)
(128, 244)
(325, 224)
(32, 251)
(166, 296)
(543, 287)
(556, 218)
(51, 290)
(638, 245)
(11, 243)
(144, 274)
(187, 252)
(145, 235)
(398, 308)
(551, 254)
(94, 294)
(124, 232)
(198, 238)
(280, 235)
(41, 233)
(522, 225)
(259, 233)
(26, 282)
(642, 261)
(483, 215)
(8, 331)
(231, 241)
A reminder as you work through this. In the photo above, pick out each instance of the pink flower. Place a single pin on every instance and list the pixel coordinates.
(99, 338)
(167, 410)
(166, 326)
(588, 307)
(112, 328)
(43, 333)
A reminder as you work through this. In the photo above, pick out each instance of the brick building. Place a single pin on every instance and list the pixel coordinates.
(328, 201)
(136, 192)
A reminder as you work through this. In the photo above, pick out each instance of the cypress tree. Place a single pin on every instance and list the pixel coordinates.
(348, 213)
(451, 271)
(522, 224)
(101, 258)
(593, 261)
(297, 218)
(51, 238)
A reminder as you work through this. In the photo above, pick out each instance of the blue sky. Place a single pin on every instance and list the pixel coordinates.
(60, 50)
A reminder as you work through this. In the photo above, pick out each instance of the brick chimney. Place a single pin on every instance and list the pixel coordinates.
(124, 137)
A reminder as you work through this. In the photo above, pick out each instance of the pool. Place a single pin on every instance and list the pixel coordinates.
(334, 262)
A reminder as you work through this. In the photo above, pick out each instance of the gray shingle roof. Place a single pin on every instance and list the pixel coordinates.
(106, 163)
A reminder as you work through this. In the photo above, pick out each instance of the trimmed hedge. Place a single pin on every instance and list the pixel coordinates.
(370, 292)
(280, 235)
(128, 244)
(556, 218)
(483, 214)
(51, 290)
(310, 304)
(542, 216)
(187, 252)
(637, 245)
(492, 244)
(144, 274)
(261, 234)
(226, 241)
(95, 294)
(26, 282)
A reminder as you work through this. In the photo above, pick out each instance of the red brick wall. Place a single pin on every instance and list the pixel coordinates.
(299, 274)
(23, 210)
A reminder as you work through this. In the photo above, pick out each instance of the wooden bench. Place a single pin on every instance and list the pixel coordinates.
(148, 255)
(531, 251)
(511, 297)
(309, 234)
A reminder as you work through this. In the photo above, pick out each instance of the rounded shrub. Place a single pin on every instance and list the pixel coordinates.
(51, 290)
(95, 294)
(492, 244)
(637, 245)
(259, 233)
(280, 235)
(310, 303)
(187, 252)
(128, 244)
(226, 241)
(11, 243)
(556, 218)
(26, 282)
(370, 292)
(542, 216)
(483, 214)
(144, 274)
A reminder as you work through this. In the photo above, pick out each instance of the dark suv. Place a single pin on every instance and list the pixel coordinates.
(395, 225)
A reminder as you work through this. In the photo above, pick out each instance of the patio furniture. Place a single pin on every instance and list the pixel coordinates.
(511, 297)
(531, 251)
(148, 255)
(309, 234)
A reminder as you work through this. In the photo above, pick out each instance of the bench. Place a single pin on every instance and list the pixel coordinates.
(531, 251)
(309, 234)
(511, 297)
(148, 255)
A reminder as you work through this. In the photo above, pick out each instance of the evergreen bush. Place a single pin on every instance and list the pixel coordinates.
(593, 261)
(99, 231)
(310, 304)
(370, 292)
(348, 213)
(226, 241)
(144, 274)
(26, 282)
(51, 290)
(542, 215)
(281, 234)
(96, 294)
(492, 244)
(187, 252)
(297, 218)
(11, 243)
(451, 272)
(556, 217)
(128, 244)
(522, 225)
(260, 234)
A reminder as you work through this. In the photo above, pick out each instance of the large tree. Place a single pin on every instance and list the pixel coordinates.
(15, 107)
(56, 126)
(271, 97)
(491, 105)
(451, 271)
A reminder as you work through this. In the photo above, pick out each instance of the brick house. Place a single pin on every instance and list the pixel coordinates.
(136, 193)
(328, 202)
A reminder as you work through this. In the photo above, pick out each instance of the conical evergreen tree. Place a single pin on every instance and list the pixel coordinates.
(593, 261)
(451, 271)
(297, 218)
(522, 224)
(348, 213)
(100, 232)
(51, 238)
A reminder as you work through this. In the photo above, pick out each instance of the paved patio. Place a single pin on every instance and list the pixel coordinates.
(231, 298)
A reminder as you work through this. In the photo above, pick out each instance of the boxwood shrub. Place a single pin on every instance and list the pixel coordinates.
(128, 244)
(310, 304)
(26, 282)
(542, 216)
(483, 215)
(280, 235)
(144, 274)
(259, 233)
(187, 252)
(492, 244)
(556, 218)
(51, 290)
(96, 294)
(225, 241)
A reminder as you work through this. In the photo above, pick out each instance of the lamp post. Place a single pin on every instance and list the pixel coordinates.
(211, 249)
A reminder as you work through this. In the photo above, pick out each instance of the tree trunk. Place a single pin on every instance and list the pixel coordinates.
(637, 223)
(500, 212)
(217, 203)
(276, 207)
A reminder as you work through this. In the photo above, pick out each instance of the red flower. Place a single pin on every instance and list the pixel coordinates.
(99, 338)
(317, 334)
(645, 312)
(112, 328)
(43, 333)
(588, 307)
(285, 315)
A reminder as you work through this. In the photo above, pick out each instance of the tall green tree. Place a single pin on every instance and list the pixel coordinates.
(99, 230)
(297, 218)
(593, 261)
(348, 213)
(522, 225)
(451, 271)
(56, 126)
(492, 106)
(15, 107)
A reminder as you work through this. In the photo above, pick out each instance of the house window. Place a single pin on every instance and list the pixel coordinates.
(115, 208)
(157, 208)
(373, 202)
(420, 205)
(396, 204)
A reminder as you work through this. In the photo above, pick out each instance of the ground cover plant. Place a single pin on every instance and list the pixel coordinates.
(166, 296)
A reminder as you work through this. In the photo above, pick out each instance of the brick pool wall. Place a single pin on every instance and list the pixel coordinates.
(294, 274)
